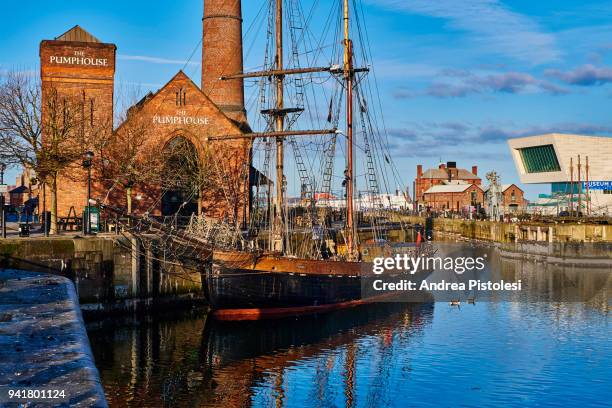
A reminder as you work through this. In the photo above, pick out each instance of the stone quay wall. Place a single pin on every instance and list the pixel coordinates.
(517, 232)
(43, 342)
(112, 274)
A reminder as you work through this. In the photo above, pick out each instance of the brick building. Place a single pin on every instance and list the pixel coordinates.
(513, 200)
(77, 70)
(22, 191)
(458, 197)
(446, 173)
(211, 119)
(180, 110)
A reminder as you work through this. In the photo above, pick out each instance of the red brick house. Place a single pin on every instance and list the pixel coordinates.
(513, 199)
(455, 197)
(443, 175)
(210, 118)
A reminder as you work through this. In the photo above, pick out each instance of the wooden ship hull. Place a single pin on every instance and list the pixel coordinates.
(243, 286)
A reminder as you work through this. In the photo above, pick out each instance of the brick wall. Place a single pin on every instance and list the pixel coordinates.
(166, 116)
(222, 55)
(83, 73)
(453, 201)
(422, 184)
(513, 199)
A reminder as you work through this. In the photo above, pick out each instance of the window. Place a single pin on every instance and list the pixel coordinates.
(91, 112)
(513, 196)
(607, 191)
(539, 159)
(181, 97)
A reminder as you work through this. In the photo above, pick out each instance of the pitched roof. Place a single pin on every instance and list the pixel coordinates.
(442, 174)
(19, 190)
(504, 187)
(449, 188)
(151, 96)
(77, 34)
(447, 182)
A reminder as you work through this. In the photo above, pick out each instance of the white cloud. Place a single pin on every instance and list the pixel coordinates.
(492, 26)
(155, 60)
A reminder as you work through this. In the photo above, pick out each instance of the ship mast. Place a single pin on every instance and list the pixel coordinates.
(279, 111)
(349, 179)
(278, 243)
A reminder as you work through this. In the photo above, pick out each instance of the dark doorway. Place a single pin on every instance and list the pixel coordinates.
(180, 185)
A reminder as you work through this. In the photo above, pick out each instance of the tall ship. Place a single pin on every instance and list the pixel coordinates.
(310, 257)
(314, 96)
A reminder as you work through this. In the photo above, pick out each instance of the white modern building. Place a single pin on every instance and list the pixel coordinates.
(398, 201)
(561, 160)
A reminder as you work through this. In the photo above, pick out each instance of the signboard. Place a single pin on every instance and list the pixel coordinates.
(598, 185)
(94, 218)
(79, 58)
(181, 118)
(3, 188)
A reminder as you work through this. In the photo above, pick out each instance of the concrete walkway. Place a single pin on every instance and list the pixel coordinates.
(43, 342)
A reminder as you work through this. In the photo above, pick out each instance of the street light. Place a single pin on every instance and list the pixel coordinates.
(87, 163)
(2, 215)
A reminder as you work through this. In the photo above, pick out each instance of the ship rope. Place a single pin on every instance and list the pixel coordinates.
(315, 217)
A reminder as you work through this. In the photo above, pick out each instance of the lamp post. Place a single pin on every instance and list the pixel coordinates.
(2, 215)
(33, 182)
(87, 163)
(43, 184)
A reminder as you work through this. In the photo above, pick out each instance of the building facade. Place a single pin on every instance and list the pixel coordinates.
(181, 112)
(446, 173)
(458, 197)
(578, 169)
(79, 69)
(512, 199)
(77, 76)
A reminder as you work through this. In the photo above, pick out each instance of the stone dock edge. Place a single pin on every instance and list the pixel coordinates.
(43, 341)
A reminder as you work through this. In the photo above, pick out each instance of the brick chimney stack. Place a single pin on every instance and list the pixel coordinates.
(222, 55)
(419, 170)
(475, 170)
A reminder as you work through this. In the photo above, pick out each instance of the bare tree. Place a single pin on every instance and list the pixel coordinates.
(227, 174)
(213, 173)
(20, 120)
(21, 126)
(129, 159)
(186, 169)
(46, 130)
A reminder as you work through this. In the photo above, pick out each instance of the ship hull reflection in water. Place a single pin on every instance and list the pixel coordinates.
(204, 362)
(543, 347)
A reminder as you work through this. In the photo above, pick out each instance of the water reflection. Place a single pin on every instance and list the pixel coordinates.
(197, 361)
(547, 345)
(541, 281)
(546, 282)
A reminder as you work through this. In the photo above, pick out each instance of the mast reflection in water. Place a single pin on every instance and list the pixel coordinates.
(495, 353)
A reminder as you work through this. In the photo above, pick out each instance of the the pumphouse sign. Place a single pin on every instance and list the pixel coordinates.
(78, 58)
(181, 118)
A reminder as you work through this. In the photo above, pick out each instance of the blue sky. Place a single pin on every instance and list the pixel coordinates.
(457, 78)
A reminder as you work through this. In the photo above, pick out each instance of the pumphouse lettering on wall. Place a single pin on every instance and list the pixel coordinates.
(180, 120)
(78, 58)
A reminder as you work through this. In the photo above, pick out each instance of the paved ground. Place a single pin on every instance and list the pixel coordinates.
(12, 231)
(43, 342)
